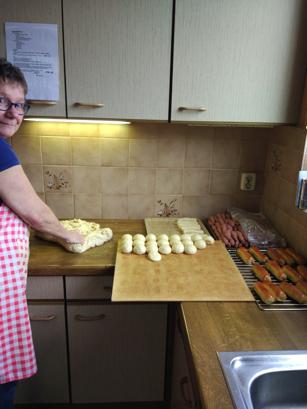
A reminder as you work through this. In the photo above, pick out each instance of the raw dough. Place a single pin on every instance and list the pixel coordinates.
(163, 237)
(190, 249)
(154, 256)
(139, 249)
(178, 248)
(139, 237)
(93, 233)
(151, 246)
(165, 249)
(200, 244)
(126, 247)
(150, 237)
(127, 236)
(196, 237)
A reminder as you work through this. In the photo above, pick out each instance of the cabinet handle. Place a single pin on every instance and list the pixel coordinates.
(198, 109)
(184, 388)
(41, 102)
(88, 105)
(81, 317)
(42, 317)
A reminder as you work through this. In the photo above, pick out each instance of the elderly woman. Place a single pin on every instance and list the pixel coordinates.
(20, 207)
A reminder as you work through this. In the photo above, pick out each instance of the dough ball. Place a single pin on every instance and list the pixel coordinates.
(163, 237)
(196, 237)
(126, 236)
(151, 246)
(139, 237)
(139, 249)
(126, 248)
(151, 237)
(190, 249)
(175, 240)
(165, 249)
(187, 242)
(154, 256)
(162, 242)
(200, 244)
(178, 248)
(186, 237)
(138, 242)
(208, 239)
(175, 237)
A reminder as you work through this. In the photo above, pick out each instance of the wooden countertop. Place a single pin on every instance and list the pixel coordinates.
(232, 326)
(47, 258)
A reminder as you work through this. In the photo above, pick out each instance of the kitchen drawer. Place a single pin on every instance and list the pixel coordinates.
(89, 287)
(45, 288)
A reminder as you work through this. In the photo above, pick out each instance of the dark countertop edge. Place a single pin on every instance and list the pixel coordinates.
(70, 271)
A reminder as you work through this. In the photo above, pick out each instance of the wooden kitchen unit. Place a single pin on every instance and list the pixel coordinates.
(107, 348)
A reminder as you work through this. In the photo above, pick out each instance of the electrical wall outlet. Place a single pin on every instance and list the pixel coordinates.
(248, 181)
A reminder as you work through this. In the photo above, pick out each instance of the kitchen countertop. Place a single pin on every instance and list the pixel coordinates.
(213, 327)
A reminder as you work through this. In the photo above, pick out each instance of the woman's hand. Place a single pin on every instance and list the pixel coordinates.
(74, 237)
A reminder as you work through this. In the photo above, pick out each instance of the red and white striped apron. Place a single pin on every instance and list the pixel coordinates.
(17, 358)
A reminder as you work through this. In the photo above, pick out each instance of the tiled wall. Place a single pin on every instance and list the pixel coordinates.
(141, 170)
(286, 154)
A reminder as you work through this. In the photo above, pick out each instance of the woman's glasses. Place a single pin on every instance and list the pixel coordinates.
(21, 107)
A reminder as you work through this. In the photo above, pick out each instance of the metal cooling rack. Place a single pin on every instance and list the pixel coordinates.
(250, 279)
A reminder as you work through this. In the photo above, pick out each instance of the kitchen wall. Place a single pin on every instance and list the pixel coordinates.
(141, 170)
(286, 156)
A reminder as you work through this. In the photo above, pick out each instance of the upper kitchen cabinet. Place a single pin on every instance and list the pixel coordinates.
(37, 11)
(239, 61)
(117, 56)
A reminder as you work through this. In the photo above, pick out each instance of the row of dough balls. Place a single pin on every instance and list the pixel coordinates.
(163, 244)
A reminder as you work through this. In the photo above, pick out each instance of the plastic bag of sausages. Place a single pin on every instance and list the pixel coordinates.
(257, 228)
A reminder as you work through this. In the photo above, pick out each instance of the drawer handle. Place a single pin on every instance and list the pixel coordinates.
(198, 109)
(41, 102)
(42, 317)
(81, 317)
(88, 105)
(184, 388)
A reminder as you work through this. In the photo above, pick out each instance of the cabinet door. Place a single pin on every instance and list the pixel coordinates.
(37, 11)
(117, 53)
(241, 60)
(50, 384)
(117, 352)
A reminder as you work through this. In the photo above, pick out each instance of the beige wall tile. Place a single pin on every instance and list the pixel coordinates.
(196, 182)
(86, 151)
(141, 181)
(168, 206)
(169, 181)
(114, 181)
(35, 175)
(115, 131)
(253, 155)
(84, 130)
(88, 206)
(247, 200)
(140, 206)
(224, 181)
(226, 153)
(115, 207)
(114, 152)
(171, 152)
(198, 151)
(143, 152)
(57, 179)
(28, 148)
(195, 206)
(87, 179)
(62, 204)
(56, 151)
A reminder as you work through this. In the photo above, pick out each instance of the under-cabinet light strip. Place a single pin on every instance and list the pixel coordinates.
(83, 121)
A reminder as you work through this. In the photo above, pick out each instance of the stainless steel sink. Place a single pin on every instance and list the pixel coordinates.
(266, 379)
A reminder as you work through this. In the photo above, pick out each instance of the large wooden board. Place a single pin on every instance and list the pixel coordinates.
(208, 275)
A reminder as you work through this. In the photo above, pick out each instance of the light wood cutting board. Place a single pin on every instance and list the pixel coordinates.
(208, 275)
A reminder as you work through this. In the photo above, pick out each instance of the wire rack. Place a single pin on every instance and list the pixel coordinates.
(250, 279)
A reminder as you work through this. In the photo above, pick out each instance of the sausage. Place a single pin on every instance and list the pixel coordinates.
(277, 292)
(285, 256)
(299, 259)
(276, 270)
(302, 271)
(258, 255)
(261, 273)
(293, 292)
(264, 293)
(245, 256)
(302, 285)
(292, 274)
(273, 254)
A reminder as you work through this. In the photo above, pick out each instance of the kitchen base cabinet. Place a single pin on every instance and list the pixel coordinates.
(50, 384)
(117, 351)
(183, 392)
